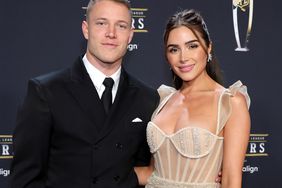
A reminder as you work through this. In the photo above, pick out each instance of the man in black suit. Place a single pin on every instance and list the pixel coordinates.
(66, 136)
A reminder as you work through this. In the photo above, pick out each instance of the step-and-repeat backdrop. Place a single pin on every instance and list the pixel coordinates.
(38, 36)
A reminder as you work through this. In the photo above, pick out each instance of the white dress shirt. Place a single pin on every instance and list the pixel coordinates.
(98, 77)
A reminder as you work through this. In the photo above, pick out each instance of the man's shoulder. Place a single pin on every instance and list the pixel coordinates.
(146, 91)
(135, 82)
(147, 95)
(53, 77)
(57, 76)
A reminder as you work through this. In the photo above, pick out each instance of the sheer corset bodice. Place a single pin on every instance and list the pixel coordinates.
(192, 155)
(177, 156)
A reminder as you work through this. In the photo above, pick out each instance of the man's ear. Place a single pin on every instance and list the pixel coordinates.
(84, 27)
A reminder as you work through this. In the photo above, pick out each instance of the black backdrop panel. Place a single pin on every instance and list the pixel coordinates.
(37, 37)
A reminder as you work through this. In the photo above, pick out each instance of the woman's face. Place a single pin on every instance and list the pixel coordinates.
(185, 54)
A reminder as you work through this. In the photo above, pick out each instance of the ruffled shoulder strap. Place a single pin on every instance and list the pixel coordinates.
(239, 87)
(225, 108)
(164, 92)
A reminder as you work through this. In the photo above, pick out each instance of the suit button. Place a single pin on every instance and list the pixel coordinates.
(116, 178)
(94, 180)
(119, 146)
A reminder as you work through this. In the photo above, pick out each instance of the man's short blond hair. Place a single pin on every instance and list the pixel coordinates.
(92, 3)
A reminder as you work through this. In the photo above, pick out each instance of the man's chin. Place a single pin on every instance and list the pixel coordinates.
(111, 61)
(107, 60)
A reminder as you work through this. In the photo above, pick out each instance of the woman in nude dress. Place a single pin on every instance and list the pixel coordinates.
(200, 127)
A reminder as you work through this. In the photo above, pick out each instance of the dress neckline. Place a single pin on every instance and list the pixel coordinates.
(169, 135)
(165, 100)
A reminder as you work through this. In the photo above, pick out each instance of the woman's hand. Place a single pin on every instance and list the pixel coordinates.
(144, 172)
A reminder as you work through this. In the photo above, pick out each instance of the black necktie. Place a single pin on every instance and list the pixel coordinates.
(107, 94)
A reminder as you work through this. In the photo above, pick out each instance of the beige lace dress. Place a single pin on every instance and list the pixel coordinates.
(192, 156)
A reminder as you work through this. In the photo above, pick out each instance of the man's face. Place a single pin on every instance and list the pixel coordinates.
(108, 31)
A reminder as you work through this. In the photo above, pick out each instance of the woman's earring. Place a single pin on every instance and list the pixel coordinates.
(209, 58)
(174, 77)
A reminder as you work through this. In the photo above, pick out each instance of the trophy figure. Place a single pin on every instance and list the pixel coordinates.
(242, 6)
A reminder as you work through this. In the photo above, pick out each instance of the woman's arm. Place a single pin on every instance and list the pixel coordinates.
(236, 137)
(144, 172)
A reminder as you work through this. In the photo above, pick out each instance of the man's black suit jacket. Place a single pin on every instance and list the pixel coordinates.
(56, 141)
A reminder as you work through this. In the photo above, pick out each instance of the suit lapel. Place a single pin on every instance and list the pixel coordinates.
(121, 105)
(83, 90)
